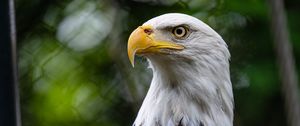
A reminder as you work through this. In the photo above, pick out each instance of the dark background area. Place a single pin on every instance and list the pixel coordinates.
(8, 66)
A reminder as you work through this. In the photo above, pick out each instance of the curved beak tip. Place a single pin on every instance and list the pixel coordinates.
(136, 41)
(131, 59)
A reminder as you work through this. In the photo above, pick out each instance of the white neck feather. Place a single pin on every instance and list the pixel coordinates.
(188, 93)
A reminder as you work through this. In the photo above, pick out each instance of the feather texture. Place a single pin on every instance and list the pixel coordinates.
(190, 87)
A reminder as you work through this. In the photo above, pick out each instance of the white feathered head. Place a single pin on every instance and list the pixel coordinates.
(191, 83)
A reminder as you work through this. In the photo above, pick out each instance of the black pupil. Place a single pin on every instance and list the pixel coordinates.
(179, 31)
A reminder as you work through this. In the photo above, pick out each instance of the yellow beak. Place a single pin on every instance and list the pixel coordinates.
(142, 41)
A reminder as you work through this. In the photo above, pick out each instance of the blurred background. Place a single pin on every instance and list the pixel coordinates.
(74, 69)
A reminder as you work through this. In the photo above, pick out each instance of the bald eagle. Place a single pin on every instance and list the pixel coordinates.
(191, 83)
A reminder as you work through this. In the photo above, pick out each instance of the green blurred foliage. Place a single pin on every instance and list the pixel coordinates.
(74, 69)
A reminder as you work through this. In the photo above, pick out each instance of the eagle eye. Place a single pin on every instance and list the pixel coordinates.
(180, 31)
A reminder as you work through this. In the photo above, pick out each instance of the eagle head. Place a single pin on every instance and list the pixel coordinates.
(190, 62)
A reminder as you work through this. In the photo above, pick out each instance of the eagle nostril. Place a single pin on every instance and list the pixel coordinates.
(148, 31)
